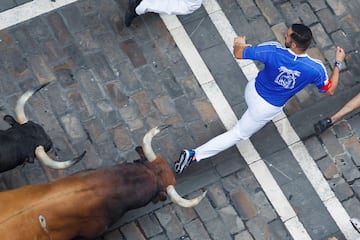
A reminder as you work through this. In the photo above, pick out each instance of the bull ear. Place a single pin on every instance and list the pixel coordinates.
(141, 153)
(10, 120)
(162, 196)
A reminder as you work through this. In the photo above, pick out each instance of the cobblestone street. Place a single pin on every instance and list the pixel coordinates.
(110, 84)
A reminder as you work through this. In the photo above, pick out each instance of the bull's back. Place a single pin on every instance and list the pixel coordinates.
(33, 212)
(83, 204)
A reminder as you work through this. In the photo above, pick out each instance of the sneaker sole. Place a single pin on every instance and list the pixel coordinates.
(180, 165)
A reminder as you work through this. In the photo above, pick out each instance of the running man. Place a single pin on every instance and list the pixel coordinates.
(286, 71)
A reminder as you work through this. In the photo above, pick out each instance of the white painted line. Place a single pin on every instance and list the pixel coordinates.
(286, 131)
(248, 151)
(270, 185)
(220, 104)
(29, 10)
(190, 54)
(323, 189)
(228, 34)
(339, 214)
(201, 72)
(297, 229)
(228, 117)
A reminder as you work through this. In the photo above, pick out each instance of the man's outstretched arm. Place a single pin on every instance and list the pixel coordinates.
(334, 78)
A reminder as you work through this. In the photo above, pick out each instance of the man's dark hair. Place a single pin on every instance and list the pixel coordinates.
(302, 35)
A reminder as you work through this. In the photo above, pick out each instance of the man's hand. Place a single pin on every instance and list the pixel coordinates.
(335, 75)
(239, 45)
(339, 54)
(240, 41)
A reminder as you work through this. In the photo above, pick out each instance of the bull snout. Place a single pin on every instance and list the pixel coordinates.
(150, 155)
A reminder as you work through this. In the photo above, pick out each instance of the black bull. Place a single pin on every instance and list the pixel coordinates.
(85, 204)
(18, 143)
(25, 140)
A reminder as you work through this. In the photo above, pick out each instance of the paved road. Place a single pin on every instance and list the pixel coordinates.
(110, 84)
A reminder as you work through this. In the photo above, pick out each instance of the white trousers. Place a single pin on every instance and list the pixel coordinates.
(171, 7)
(259, 113)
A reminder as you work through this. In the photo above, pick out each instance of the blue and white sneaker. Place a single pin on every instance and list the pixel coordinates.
(186, 158)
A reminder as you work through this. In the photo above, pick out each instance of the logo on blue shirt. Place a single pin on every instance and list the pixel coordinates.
(287, 78)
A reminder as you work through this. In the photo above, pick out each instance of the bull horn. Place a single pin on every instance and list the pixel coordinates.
(49, 162)
(148, 151)
(176, 198)
(19, 109)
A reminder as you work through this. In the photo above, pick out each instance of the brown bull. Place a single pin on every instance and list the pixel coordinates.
(85, 204)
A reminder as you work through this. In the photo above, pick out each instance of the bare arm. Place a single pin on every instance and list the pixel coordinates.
(339, 57)
(350, 106)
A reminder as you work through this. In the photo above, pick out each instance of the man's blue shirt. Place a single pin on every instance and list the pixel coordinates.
(284, 73)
